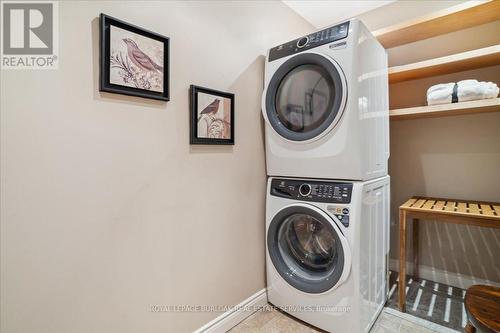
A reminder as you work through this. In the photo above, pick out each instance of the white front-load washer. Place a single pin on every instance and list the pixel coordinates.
(326, 250)
(325, 105)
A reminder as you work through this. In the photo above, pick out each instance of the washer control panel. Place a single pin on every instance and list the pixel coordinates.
(317, 191)
(325, 36)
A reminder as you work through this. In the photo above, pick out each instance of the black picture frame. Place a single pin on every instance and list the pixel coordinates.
(105, 21)
(193, 105)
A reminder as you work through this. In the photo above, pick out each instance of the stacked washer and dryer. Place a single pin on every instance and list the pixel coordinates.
(325, 105)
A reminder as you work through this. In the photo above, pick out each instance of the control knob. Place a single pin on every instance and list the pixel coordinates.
(302, 42)
(305, 190)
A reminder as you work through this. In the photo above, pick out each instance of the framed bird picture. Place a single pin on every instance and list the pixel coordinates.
(133, 61)
(212, 116)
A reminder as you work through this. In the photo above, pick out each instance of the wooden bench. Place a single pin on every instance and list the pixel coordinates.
(483, 214)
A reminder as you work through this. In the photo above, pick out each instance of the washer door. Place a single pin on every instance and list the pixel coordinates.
(307, 249)
(305, 97)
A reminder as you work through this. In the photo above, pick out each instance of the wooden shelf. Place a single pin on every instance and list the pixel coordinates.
(487, 56)
(463, 16)
(480, 106)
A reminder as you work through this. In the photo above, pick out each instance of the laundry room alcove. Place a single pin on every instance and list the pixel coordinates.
(445, 150)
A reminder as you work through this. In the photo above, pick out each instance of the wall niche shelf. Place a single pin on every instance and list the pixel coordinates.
(462, 16)
(470, 107)
(484, 57)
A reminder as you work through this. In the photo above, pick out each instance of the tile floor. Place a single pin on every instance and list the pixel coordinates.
(274, 321)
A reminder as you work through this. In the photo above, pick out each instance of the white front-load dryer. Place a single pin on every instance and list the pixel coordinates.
(326, 250)
(325, 105)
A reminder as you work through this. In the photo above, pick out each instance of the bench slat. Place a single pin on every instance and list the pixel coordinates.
(450, 206)
(487, 210)
(474, 208)
(428, 204)
(409, 202)
(439, 205)
(462, 207)
(419, 203)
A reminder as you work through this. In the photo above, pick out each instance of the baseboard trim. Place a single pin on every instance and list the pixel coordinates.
(236, 315)
(440, 276)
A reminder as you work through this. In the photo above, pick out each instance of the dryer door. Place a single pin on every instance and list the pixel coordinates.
(305, 97)
(308, 249)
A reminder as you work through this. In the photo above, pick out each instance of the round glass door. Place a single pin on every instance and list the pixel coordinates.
(305, 249)
(304, 97)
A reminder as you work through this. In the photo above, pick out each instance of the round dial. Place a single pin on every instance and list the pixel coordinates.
(302, 42)
(305, 190)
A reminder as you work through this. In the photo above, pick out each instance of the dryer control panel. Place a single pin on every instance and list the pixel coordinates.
(325, 36)
(317, 191)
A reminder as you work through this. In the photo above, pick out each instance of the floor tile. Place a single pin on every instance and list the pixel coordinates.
(388, 322)
(271, 320)
(381, 329)
(255, 322)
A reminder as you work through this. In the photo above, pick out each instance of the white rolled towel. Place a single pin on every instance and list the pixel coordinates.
(440, 93)
(467, 90)
(470, 90)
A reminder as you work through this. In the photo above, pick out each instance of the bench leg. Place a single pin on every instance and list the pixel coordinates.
(415, 248)
(469, 328)
(402, 261)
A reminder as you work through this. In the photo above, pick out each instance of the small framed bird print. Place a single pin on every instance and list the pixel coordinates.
(133, 61)
(212, 116)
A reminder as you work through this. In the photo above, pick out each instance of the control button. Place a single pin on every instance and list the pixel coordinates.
(302, 42)
(305, 190)
(345, 211)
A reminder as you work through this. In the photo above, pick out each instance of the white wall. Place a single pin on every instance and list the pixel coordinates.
(106, 208)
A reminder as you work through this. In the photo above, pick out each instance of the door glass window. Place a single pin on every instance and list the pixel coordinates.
(304, 98)
(308, 246)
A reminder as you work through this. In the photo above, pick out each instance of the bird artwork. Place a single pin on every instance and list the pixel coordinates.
(211, 122)
(136, 61)
(139, 58)
(211, 109)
